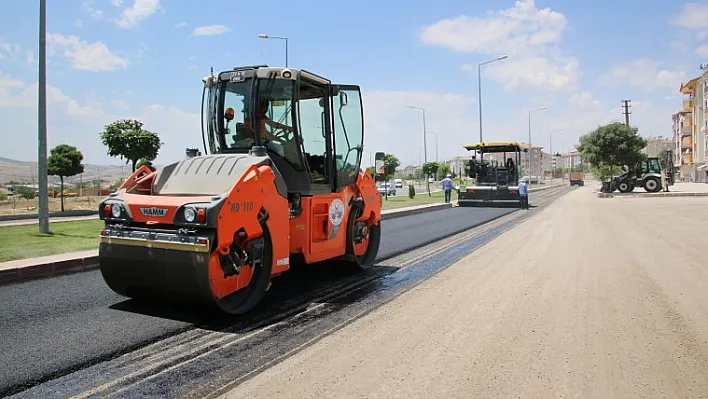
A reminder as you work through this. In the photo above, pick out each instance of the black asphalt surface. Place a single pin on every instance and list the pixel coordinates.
(50, 327)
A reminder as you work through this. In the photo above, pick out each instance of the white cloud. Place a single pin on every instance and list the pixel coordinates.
(88, 6)
(79, 124)
(29, 55)
(584, 100)
(209, 30)
(85, 56)
(644, 73)
(9, 50)
(8, 82)
(532, 73)
(516, 30)
(140, 10)
(180, 25)
(530, 36)
(17, 94)
(117, 3)
(702, 50)
(693, 16)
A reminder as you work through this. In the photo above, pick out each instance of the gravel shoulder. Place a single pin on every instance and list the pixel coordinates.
(589, 298)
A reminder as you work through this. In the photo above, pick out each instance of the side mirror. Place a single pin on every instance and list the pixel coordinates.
(379, 162)
(343, 98)
(229, 114)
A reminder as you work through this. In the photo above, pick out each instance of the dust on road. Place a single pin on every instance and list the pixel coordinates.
(590, 298)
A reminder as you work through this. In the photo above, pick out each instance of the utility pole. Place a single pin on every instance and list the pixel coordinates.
(626, 106)
(43, 200)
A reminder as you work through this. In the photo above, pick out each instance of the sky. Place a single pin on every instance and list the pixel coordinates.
(144, 59)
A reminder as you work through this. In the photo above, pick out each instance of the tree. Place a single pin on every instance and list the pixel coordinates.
(145, 162)
(390, 165)
(64, 161)
(26, 193)
(444, 169)
(662, 159)
(430, 169)
(127, 139)
(602, 172)
(614, 144)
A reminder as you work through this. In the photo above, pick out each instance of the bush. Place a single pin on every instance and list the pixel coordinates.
(411, 191)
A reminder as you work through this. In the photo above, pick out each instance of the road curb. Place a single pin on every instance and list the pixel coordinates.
(414, 211)
(45, 270)
(87, 263)
(25, 216)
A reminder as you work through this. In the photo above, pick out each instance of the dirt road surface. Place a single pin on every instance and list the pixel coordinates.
(589, 298)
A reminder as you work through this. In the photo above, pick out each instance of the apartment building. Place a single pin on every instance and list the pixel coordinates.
(457, 164)
(656, 146)
(690, 130)
(568, 159)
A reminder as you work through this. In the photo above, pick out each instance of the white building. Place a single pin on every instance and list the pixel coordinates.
(690, 130)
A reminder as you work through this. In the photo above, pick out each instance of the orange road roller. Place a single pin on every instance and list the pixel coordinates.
(280, 181)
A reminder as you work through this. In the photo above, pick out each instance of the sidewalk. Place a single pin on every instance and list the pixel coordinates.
(47, 266)
(57, 219)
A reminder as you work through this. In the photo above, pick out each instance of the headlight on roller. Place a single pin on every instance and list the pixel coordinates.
(116, 210)
(189, 214)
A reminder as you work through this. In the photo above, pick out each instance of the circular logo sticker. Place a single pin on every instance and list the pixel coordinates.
(336, 212)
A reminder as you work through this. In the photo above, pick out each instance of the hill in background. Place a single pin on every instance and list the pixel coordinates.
(26, 173)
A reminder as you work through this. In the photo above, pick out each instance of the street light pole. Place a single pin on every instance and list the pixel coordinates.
(479, 88)
(425, 144)
(43, 200)
(530, 146)
(264, 36)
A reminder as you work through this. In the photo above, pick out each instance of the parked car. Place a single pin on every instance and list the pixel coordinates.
(398, 183)
(384, 187)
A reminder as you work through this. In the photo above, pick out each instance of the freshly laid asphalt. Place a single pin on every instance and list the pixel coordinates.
(49, 327)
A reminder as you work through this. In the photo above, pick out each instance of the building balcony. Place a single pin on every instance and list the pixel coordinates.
(687, 159)
(686, 132)
(687, 105)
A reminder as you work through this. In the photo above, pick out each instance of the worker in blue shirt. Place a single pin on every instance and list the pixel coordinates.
(524, 194)
(447, 187)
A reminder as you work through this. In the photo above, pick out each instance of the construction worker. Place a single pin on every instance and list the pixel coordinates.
(524, 194)
(447, 187)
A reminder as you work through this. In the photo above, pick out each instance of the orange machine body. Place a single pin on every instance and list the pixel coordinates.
(318, 233)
